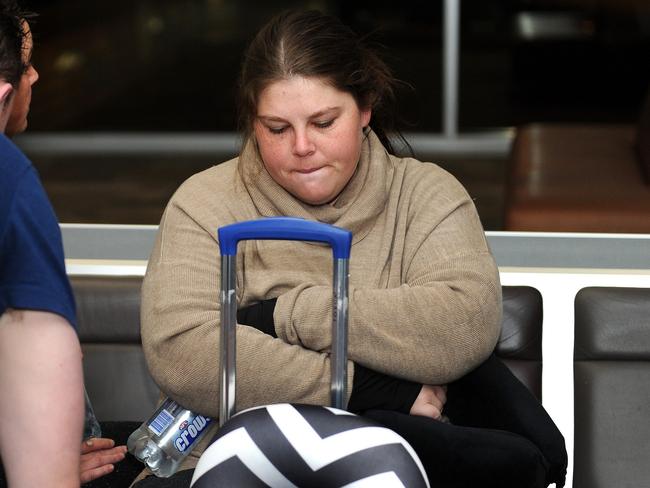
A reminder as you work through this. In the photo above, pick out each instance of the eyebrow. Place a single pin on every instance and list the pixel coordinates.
(315, 115)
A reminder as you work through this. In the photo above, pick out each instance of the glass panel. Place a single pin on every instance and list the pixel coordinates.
(160, 66)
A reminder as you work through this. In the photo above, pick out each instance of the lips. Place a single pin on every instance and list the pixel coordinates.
(306, 171)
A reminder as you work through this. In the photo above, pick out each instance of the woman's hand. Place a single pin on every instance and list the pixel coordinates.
(97, 457)
(430, 401)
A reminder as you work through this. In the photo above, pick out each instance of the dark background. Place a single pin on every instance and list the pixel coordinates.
(163, 65)
(170, 66)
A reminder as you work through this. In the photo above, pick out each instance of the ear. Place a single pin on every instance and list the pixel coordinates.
(5, 91)
(365, 117)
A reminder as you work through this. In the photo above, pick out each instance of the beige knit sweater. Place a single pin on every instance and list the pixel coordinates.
(424, 289)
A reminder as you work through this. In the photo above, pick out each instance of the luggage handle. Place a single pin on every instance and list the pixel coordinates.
(286, 229)
(282, 228)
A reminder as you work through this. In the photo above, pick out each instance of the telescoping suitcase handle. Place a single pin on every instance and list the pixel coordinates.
(291, 229)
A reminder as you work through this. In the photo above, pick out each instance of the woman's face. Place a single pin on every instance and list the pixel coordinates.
(309, 136)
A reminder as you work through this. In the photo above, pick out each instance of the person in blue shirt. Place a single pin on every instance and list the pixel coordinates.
(41, 379)
(41, 405)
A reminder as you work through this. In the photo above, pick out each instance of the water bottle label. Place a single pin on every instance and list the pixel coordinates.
(160, 423)
(189, 431)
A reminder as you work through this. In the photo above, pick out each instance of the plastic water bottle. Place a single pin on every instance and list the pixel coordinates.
(91, 424)
(163, 441)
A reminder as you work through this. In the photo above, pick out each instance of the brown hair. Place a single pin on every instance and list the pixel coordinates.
(313, 44)
(12, 39)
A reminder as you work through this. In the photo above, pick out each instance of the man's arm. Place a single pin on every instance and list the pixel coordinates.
(41, 406)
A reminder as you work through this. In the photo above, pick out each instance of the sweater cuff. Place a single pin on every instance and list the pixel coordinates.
(303, 316)
(373, 390)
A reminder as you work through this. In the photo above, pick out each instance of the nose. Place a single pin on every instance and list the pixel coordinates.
(302, 144)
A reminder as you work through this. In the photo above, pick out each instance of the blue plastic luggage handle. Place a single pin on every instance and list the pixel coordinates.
(282, 228)
(286, 229)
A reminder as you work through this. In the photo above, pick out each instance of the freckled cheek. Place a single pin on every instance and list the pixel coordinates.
(347, 149)
(274, 157)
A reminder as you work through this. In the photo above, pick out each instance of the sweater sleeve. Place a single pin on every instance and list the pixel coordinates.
(442, 321)
(180, 330)
(370, 390)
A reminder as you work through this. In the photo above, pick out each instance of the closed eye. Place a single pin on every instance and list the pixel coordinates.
(325, 124)
(276, 130)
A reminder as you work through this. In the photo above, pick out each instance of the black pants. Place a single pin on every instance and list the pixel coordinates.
(498, 436)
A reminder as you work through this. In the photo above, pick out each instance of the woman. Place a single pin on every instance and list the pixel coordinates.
(424, 306)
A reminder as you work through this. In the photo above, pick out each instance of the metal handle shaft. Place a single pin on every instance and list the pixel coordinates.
(287, 229)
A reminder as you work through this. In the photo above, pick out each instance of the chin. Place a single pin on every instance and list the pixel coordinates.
(315, 199)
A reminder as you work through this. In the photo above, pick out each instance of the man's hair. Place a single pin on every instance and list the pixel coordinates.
(12, 36)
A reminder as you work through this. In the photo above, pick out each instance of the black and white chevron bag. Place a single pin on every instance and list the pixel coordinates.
(288, 445)
(291, 445)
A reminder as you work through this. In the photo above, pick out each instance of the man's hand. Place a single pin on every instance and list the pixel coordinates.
(98, 456)
(430, 401)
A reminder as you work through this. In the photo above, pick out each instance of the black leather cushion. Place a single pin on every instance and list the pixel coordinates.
(121, 388)
(612, 387)
(118, 382)
(108, 308)
(612, 324)
(520, 343)
(115, 372)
